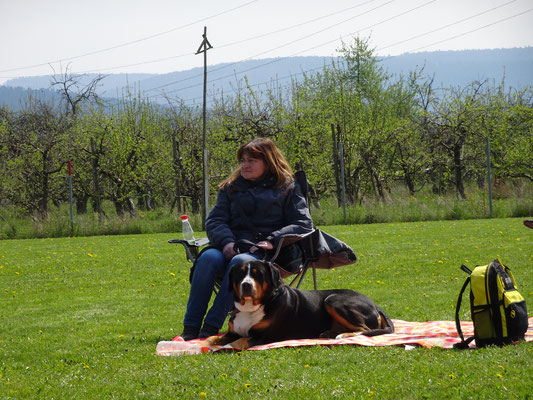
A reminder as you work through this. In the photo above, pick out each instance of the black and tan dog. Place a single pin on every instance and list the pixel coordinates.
(268, 311)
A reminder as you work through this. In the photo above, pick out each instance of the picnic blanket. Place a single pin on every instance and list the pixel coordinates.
(417, 334)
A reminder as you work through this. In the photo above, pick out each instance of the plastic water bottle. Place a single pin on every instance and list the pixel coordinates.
(175, 348)
(186, 230)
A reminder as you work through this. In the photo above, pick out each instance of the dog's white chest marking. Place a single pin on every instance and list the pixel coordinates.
(248, 316)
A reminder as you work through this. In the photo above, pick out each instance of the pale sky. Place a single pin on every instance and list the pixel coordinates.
(160, 36)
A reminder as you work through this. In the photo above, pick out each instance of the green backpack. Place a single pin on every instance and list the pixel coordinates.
(498, 310)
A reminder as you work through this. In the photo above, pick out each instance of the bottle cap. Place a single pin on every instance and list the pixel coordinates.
(184, 217)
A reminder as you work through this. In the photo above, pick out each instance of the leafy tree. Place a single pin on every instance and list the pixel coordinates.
(456, 121)
(509, 123)
(38, 142)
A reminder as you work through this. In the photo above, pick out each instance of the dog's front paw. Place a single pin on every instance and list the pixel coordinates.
(213, 341)
(348, 334)
(241, 344)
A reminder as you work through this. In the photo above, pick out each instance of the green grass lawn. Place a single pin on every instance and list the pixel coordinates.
(81, 317)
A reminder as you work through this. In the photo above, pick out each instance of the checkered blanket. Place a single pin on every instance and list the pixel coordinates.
(425, 334)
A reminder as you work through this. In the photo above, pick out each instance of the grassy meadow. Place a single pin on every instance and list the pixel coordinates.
(81, 317)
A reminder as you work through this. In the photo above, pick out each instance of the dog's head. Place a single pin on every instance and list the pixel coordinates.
(253, 281)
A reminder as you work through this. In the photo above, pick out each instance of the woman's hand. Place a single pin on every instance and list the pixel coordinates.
(228, 251)
(264, 244)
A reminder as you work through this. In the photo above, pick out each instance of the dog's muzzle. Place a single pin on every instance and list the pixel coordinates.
(247, 289)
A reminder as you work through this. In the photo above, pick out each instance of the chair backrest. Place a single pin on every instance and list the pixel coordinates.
(301, 177)
(309, 243)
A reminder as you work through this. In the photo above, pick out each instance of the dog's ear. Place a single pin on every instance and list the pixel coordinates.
(275, 275)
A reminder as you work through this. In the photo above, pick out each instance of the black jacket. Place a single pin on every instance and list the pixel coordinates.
(271, 212)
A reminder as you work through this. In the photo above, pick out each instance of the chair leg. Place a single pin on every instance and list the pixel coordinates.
(302, 275)
(314, 276)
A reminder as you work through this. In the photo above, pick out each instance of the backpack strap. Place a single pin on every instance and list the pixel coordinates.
(464, 343)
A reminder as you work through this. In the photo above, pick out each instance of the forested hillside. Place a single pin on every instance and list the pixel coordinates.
(447, 69)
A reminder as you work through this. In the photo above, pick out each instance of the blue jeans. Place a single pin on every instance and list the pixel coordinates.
(211, 264)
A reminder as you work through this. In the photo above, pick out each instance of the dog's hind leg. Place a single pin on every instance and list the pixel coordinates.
(346, 316)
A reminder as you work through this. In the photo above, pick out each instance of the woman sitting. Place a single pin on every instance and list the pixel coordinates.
(259, 202)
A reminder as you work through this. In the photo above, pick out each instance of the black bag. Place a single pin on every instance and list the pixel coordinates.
(290, 257)
(330, 252)
(498, 310)
(319, 248)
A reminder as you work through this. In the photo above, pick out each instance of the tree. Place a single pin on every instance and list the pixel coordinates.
(74, 91)
(79, 95)
(509, 123)
(38, 141)
(455, 121)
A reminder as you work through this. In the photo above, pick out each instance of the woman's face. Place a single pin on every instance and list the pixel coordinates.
(252, 168)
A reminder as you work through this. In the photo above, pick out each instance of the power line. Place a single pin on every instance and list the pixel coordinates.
(277, 48)
(449, 25)
(227, 44)
(283, 58)
(414, 50)
(297, 25)
(410, 51)
(472, 31)
(136, 64)
(133, 41)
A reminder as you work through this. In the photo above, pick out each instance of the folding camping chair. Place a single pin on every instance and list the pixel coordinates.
(319, 250)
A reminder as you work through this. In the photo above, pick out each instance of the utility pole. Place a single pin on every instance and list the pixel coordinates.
(203, 49)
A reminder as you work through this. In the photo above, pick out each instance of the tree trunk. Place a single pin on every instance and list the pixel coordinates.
(177, 171)
(97, 198)
(379, 185)
(458, 169)
(43, 201)
(409, 181)
(336, 163)
(81, 204)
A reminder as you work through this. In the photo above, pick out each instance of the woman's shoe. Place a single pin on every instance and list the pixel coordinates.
(190, 333)
(207, 331)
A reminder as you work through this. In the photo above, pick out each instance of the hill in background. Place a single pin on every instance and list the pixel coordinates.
(448, 68)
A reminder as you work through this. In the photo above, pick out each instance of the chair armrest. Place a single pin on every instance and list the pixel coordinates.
(289, 239)
(191, 250)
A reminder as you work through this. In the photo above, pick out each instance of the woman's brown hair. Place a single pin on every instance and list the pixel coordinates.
(266, 150)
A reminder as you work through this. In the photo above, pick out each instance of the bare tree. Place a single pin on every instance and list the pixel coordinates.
(74, 90)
